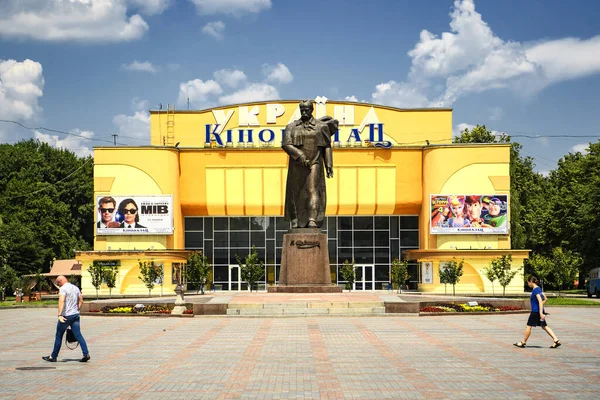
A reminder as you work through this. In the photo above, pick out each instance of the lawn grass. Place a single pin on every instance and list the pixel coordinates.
(11, 302)
(566, 301)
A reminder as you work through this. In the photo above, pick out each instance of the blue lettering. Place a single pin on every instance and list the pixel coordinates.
(372, 133)
(354, 132)
(271, 135)
(241, 135)
(213, 133)
(336, 136)
(229, 134)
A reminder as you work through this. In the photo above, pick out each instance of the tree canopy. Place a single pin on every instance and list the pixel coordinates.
(46, 205)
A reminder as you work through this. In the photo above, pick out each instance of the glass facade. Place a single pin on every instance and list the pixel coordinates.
(371, 241)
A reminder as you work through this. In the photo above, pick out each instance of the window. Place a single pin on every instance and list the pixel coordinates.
(368, 240)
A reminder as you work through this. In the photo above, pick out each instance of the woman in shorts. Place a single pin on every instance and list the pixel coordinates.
(537, 317)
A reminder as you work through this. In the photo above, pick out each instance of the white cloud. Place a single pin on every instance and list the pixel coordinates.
(399, 94)
(198, 92)
(77, 143)
(351, 98)
(134, 129)
(209, 93)
(214, 29)
(232, 7)
(253, 92)
(82, 20)
(230, 77)
(565, 59)
(145, 66)
(151, 7)
(469, 41)
(582, 148)
(21, 86)
(458, 129)
(470, 58)
(277, 73)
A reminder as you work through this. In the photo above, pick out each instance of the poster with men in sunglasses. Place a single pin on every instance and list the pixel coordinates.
(134, 215)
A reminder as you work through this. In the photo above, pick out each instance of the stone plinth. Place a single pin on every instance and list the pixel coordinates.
(305, 263)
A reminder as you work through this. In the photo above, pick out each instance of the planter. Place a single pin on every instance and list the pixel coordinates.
(26, 299)
(18, 299)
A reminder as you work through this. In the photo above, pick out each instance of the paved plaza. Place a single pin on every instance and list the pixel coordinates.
(388, 357)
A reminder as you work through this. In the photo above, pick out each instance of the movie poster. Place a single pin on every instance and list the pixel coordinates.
(469, 214)
(134, 215)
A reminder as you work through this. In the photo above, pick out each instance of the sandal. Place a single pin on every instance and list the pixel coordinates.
(520, 344)
(555, 344)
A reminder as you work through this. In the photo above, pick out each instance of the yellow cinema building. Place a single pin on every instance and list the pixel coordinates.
(214, 180)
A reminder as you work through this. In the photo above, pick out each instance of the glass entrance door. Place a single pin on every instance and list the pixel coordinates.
(235, 279)
(365, 277)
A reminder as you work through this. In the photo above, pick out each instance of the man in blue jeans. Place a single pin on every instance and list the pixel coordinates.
(70, 301)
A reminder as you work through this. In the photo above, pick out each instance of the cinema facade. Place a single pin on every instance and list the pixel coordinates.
(214, 180)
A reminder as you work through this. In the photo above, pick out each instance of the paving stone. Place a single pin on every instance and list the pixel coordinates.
(307, 357)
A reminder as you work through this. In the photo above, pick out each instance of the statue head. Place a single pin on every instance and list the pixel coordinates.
(306, 110)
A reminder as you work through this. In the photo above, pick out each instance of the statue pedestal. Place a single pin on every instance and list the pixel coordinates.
(305, 263)
(179, 301)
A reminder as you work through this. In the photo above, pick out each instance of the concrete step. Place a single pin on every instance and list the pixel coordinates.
(306, 309)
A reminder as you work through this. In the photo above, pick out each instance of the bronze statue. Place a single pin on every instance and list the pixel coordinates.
(308, 143)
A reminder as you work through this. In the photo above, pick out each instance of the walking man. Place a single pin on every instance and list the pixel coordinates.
(70, 301)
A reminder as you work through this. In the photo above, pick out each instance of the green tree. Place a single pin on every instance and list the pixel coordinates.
(46, 204)
(573, 199)
(252, 269)
(399, 271)
(503, 271)
(110, 277)
(150, 272)
(96, 271)
(197, 270)
(559, 268)
(451, 273)
(480, 134)
(348, 273)
(490, 273)
(8, 279)
(539, 266)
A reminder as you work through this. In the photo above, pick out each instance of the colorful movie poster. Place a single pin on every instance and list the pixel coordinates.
(134, 215)
(469, 213)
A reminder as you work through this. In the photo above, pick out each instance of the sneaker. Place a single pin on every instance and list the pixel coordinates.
(49, 359)
(85, 358)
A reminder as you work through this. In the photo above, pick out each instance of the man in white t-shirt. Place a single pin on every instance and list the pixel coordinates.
(70, 301)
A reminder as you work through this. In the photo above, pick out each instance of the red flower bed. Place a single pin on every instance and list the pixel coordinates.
(188, 312)
(432, 309)
(510, 308)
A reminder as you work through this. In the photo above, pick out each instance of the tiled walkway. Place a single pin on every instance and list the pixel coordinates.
(454, 357)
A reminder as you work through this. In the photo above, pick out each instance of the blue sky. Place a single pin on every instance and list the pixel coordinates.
(94, 67)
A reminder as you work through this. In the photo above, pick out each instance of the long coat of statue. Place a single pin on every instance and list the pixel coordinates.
(309, 146)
